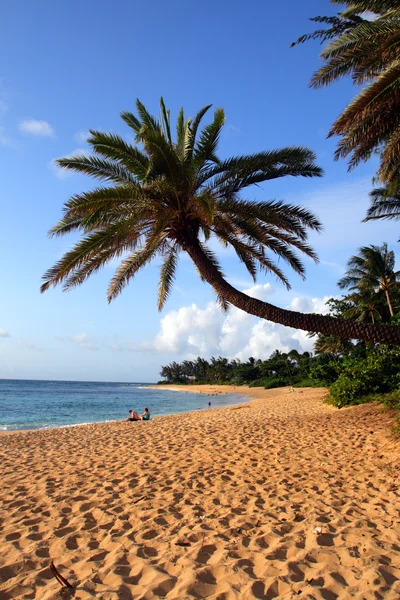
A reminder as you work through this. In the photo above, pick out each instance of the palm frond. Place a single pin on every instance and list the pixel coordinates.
(223, 303)
(132, 121)
(165, 120)
(129, 267)
(147, 120)
(106, 170)
(193, 128)
(383, 205)
(112, 146)
(368, 50)
(206, 146)
(167, 276)
(117, 237)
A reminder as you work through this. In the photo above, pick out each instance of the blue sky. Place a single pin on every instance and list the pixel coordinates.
(76, 67)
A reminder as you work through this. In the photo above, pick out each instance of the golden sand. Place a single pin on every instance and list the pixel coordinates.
(283, 497)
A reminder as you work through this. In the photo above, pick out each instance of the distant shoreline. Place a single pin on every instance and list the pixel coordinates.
(209, 390)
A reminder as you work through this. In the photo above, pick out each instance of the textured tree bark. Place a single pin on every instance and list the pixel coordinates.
(384, 334)
(389, 302)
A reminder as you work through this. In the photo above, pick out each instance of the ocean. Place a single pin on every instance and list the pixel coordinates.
(35, 404)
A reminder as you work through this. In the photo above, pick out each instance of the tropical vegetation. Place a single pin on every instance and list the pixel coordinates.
(168, 195)
(281, 368)
(370, 274)
(364, 42)
(351, 370)
(352, 373)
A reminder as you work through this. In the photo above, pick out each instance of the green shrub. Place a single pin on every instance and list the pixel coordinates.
(325, 372)
(274, 382)
(378, 372)
(392, 400)
(308, 382)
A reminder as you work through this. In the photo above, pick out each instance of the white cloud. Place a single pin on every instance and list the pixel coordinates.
(4, 333)
(192, 331)
(310, 305)
(83, 340)
(81, 136)
(35, 127)
(265, 337)
(189, 329)
(64, 173)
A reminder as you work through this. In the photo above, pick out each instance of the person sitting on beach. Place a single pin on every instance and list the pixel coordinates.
(133, 416)
(146, 415)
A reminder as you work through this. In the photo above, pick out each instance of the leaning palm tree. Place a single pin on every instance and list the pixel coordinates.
(169, 196)
(366, 47)
(372, 271)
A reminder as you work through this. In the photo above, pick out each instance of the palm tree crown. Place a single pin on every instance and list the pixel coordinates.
(365, 307)
(368, 49)
(168, 195)
(171, 192)
(372, 270)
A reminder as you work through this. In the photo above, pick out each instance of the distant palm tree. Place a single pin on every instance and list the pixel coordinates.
(364, 309)
(331, 344)
(384, 205)
(169, 196)
(368, 49)
(372, 270)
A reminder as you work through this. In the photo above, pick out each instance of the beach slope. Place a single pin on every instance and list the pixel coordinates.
(281, 497)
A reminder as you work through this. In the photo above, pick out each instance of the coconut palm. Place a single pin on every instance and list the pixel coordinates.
(331, 344)
(168, 196)
(372, 271)
(364, 309)
(368, 49)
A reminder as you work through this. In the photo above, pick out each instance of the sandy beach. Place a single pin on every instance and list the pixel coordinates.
(282, 497)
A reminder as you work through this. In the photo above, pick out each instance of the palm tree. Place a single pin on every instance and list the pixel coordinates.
(368, 49)
(167, 196)
(332, 345)
(364, 309)
(372, 270)
(384, 205)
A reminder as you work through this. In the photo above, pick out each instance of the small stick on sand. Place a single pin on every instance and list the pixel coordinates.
(139, 499)
(61, 580)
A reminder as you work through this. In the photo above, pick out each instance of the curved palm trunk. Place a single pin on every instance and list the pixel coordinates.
(385, 334)
(389, 303)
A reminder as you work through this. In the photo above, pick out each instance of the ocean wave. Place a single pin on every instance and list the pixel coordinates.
(43, 426)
